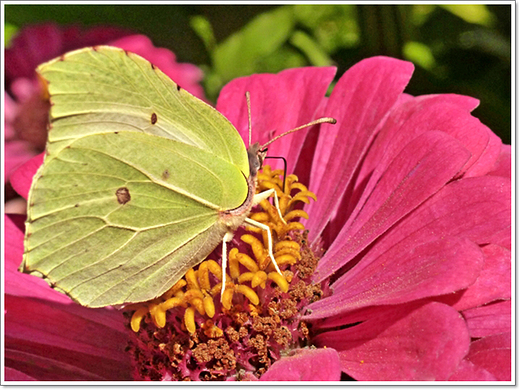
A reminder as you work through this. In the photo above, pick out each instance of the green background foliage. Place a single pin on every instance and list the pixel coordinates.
(463, 49)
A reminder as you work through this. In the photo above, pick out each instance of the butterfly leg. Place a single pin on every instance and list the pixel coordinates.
(266, 194)
(257, 224)
(227, 238)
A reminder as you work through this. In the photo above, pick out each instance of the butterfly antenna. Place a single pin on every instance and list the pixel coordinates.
(284, 168)
(248, 100)
(316, 122)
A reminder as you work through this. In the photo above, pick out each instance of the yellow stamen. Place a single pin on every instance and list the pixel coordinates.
(191, 278)
(227, 298)
(135, 322)
(234, 267)
(259, 278)
(209, 306)
(247, 261)
(279, 280)
(189, 319)
(248, 292)
(296, 214)
(257, 246)
(211, 330)
(203, 276)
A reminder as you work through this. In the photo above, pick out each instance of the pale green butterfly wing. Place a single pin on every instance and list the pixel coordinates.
(105, 87)
(117, 213)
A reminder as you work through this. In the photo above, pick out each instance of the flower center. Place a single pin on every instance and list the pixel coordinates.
(191, 333)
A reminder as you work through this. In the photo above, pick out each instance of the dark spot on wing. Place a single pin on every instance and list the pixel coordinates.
(154, 118)
(153, 66)
(165, 174)
(123, 195)
(116, 132)
(178, 87)
(76, 205)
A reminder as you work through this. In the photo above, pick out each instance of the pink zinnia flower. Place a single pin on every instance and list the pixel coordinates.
(413, 221)
(27, 110)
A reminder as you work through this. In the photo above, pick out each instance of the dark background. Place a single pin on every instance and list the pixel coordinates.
(462, 50)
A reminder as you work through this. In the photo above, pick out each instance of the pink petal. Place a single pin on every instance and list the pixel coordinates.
(494, 282)
(425, 343)
(47, 333)
(38, 43)
(299, 92)
(503, 164)
(467, 371)
(306, 365)
(435, 268)
(489, 320)
(493, 353)
(21, 179)
(447, 113)
(359, 102)
(44, 328)
(474, 208)
(15, 375)
(16, 154)
(9, 115)
(420, 170)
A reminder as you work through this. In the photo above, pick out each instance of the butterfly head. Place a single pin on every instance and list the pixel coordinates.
(256, 155)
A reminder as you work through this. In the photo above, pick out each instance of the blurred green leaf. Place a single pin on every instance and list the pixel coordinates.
(420, 54)
(316, 55)
(237, 55)
(421, 12)
(333, 26)
(486, 41)
(10, 31)
(203, 29)
(474, 13)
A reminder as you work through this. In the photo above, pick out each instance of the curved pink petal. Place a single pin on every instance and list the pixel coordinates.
(476, 208)
(503, 164)
(494, 281)
(426, 164)
(9, 115)
(306, 365)
(447, 113)
(493, 353)
(467, 371)
(16, 153)
(67, 341)
(21, 179)
(14, 375)
(359, 102)
(489, 320)
(38, 43)
(407, 343)
(77, 347)
(434, 268)
(279, 102)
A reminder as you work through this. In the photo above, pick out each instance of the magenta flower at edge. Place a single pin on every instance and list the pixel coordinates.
(26, 111)
(413, 215)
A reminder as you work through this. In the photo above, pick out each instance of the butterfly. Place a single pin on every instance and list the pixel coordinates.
(140, 180)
